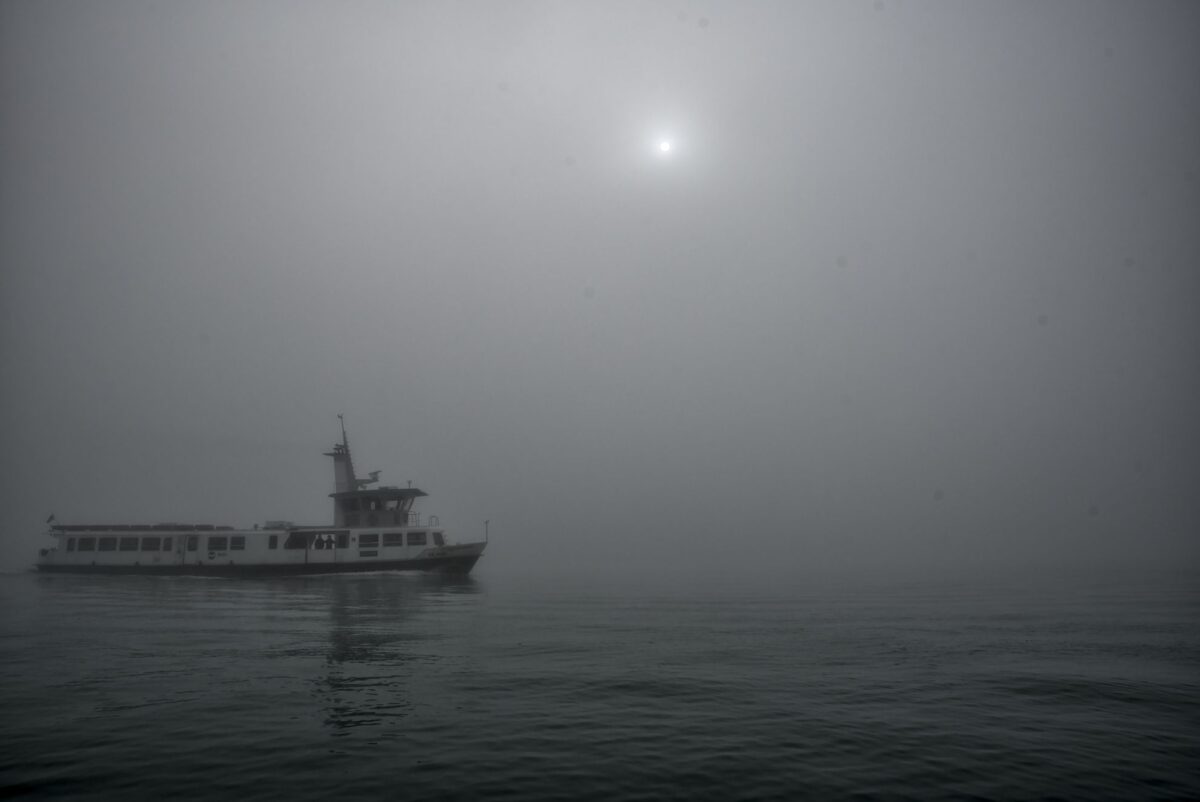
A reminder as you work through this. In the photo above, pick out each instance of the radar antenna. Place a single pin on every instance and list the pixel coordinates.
(364, 482)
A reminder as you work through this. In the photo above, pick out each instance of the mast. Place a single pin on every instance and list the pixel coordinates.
(343, 466)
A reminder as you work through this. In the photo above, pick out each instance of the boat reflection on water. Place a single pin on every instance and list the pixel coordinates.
(316, 656)
(372, 618)
(387, 648)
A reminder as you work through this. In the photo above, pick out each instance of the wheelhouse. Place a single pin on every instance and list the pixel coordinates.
(383, 506)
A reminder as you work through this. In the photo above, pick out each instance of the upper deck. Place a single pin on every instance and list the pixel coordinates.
(140, 528)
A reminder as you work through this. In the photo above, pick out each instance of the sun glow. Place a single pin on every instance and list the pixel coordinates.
(662, 144)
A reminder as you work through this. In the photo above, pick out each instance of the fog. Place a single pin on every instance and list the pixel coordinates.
(914, 292)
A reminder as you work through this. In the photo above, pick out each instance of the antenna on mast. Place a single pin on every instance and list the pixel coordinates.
(345, 442)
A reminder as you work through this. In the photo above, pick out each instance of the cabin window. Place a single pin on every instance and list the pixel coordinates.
(218, 543)
(438, 540)
(296, 540)
(129, 544)
(237, 543)
(273, 542)
(70, 544)
(150, 543)
(166, 546)
(416, 538)
(368, 541)
(192, 542)
(343, 540)
(87, 544)
(371, 553)
(393, 538)
(108, 544)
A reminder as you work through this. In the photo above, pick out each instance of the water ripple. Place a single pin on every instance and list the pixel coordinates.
(382, 685)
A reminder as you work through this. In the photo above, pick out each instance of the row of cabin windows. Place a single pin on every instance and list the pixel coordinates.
(296, 540)
(397, 539)
(216, 543)
(223, 543)
(119, 544)
(220, 542)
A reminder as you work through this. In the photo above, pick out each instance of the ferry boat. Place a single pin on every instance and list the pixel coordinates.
(374, 529)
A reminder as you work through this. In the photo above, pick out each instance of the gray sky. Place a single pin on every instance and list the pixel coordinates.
(915, 291)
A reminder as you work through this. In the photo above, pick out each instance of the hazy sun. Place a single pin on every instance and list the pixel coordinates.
(664, 146)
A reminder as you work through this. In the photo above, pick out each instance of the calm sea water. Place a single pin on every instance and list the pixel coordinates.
(412, 687)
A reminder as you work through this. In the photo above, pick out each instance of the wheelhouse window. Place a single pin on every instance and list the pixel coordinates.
(87, 544)
(129, 544)
(70, 544)
(151, 543)
(273, 542)
(368, 541)
(393, 538)
(416, 538)
(108, 544)
(218, 543)
(237, 543)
